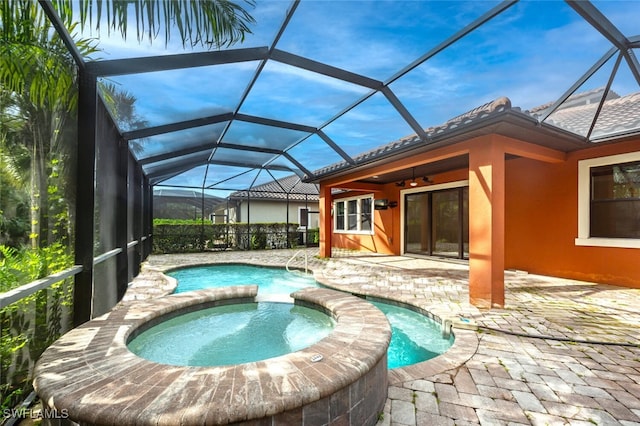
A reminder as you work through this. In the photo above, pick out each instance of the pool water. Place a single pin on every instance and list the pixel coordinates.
(269, 280)
(415, 337)
(232, 334)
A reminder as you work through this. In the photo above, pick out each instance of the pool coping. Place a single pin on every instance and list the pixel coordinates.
(91, 374)
(464, 346)
(466, 338)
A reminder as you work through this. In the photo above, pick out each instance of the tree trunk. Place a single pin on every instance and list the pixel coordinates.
(34, 195)
(39, 195)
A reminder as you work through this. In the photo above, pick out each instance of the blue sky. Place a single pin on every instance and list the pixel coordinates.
(531, 53)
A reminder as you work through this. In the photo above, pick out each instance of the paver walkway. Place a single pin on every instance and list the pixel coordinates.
(561, 352)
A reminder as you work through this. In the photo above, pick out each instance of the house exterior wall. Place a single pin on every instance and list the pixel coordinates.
(260, 211)
(540, 218)
(267, 211)
(542, 222)
(387, 237)
(382, 239)
(223, 214)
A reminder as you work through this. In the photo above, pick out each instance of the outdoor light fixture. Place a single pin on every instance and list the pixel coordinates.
(413, 177)
(413, 182)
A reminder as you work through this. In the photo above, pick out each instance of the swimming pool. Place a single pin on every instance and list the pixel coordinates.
(414, 337)
(270, 280)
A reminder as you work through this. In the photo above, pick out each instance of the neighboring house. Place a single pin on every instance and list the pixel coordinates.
(286, 200)
(169, 203)
(504, 188)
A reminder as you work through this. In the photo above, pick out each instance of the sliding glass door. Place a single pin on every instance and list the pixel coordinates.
(437, 223)
(416, 238)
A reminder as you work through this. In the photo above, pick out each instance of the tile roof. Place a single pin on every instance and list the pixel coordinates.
(183, 193)
(292, 185)
(482, 112)
(582, 98)
(619, 114)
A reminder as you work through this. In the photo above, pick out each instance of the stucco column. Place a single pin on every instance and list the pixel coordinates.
(486, 224)
(325, 220)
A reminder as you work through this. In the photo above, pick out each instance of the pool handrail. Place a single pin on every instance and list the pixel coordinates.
(306, 262)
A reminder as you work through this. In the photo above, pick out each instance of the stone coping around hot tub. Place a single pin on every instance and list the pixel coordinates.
(91, 373)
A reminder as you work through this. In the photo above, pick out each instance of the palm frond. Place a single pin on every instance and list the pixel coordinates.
(209, 23)
(10, 171)
(33, 60)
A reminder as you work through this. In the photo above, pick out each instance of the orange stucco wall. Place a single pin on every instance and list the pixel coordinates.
(385, 224)
(541, 222)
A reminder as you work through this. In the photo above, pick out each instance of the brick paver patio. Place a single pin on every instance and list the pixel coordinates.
(561, 352)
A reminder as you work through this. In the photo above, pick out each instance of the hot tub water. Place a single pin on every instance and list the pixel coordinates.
(232, 334)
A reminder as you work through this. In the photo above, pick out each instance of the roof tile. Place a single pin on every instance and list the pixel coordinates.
(619, 114)
(292, 185)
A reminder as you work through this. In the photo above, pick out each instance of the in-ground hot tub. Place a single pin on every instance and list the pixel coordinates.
(232, 334)
(342, 379)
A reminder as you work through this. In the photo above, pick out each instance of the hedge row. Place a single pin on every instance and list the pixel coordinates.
(178, 236)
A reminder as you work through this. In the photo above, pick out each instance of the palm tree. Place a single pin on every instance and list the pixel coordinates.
(37, 75)
(122, 105)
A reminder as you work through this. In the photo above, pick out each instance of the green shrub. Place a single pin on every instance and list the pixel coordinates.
(19, 267)
(30, 325)
(314, 235)
(185, 236)
(258, 240)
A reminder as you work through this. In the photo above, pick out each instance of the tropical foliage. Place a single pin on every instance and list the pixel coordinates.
(18, 267)
(39, 92)
(31, 324)
(214, 23)
(38, 144)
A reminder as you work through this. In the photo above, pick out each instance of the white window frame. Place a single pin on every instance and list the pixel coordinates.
(584, 202)
(346, 215)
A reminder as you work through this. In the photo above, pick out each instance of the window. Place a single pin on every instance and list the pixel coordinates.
(365, 214)
(303, 217)
(609, 201)
(353, 215)
(339, 215)
(615, 201)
